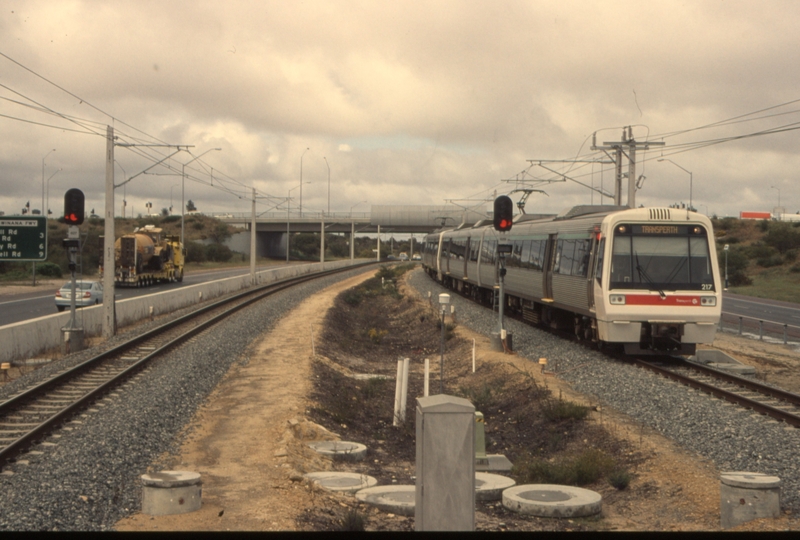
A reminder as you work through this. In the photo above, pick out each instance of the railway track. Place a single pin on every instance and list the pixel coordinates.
(773, 402)
(32, 414)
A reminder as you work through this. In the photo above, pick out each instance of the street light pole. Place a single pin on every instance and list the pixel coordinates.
(301, 180)
(329, 184)
(725, 249)
(183, 188)
(779, 195)
(288, 208)
(44, 212)
(47, 198)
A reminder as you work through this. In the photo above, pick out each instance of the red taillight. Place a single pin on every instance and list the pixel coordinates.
(58, 294)
(87, 294)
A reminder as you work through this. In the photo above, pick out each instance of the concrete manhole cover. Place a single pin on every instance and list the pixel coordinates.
(340, 450)
(395, 499)
(548, 500)
(490, 487)
(342, 482)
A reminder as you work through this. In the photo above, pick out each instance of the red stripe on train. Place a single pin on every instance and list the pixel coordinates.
(657, 300)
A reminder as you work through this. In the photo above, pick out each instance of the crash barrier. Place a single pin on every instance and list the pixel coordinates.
(742, 324)
(26, 339)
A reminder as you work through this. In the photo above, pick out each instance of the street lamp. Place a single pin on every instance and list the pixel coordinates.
(183, 187)
(288, 209)
(690, 181)
(47, 198)
(301, 180)
(329, 184)
(351, 208)
(44, 210)
(779, 195)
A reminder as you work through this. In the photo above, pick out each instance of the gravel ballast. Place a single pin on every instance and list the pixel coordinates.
(90, 478)
(733, 438)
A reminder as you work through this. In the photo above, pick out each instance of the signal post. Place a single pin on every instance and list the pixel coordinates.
(74, 203)
(503, 220)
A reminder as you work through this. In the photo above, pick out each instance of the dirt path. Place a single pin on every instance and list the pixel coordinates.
(247, 441)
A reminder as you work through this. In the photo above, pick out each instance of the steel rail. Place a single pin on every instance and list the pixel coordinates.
(21, 443)
(778, 414)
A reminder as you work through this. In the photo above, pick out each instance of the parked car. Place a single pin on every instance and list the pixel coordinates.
(416, 257)
(89, 293)
(404, 256)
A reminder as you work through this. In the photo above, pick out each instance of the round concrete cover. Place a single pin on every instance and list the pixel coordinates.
(394, 499)
(170, 479)
(750, 480)
(343, 482)
(489, 487)
(343, 450)
(547, 500)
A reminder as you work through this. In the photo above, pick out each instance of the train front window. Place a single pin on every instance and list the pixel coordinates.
(661, 258)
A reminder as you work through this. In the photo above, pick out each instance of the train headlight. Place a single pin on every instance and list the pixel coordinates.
(617, 299)
(708, 300)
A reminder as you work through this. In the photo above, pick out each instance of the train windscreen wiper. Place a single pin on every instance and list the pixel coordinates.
(643, 274)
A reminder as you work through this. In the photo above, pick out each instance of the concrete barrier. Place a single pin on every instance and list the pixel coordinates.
(28, 338)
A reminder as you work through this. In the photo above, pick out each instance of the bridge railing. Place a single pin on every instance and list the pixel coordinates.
(281, 216)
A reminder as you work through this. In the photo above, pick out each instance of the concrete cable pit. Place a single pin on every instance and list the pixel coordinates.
(490, 487)
(399, 500)
(548, 500)
(340, 450)
(342, 482)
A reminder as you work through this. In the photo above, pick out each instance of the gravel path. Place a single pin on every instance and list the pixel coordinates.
(732, 438)
(86, 477)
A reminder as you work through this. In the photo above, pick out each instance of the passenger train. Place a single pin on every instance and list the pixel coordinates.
(643, 278)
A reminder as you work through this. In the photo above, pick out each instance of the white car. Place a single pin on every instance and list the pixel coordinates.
(89, 293)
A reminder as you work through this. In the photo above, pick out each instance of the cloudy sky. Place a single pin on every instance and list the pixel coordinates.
(412, 102)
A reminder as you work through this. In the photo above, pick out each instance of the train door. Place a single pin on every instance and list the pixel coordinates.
(596, 251)
(467, 257)
(549, 262)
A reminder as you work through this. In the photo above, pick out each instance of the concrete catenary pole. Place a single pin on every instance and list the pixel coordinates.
(109, 313)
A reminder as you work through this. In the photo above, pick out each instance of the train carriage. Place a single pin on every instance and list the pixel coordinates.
(644, 278)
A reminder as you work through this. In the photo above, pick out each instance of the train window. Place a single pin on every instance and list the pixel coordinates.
(580, 264)
(565, 257)
(488, 251)
(474, 249)
(657, 262)
(525, 256)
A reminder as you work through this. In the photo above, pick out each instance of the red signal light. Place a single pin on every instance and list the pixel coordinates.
(503, 213)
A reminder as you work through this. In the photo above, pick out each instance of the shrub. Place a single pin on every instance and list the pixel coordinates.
(353, 521)
(48, 269)
(620, 479)
(218, 253)
(195, 252)
(585, 468)
(557, 410)
(376, 336)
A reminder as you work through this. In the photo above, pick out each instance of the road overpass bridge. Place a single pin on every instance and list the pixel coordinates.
(273, 228)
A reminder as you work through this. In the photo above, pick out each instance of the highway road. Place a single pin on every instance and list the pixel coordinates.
(30, 305)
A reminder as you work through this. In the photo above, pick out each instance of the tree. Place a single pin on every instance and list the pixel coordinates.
(190, 207)
(164, 212)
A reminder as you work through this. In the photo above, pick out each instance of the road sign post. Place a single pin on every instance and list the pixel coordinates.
(23, 238)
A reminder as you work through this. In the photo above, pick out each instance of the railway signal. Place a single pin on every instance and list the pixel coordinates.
(503, 213)
(73, 206)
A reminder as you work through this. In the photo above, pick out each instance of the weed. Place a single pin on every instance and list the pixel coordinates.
(376, 336)
(620, 479)
(353, 521)
(560, 409)
(586, 468)
(374, 388)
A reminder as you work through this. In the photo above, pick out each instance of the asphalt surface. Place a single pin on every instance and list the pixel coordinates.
(30, 305)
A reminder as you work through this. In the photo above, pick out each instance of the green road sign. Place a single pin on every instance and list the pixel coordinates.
(23, 238)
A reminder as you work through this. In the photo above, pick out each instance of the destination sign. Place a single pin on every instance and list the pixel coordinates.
(659, 230)
(23, 238)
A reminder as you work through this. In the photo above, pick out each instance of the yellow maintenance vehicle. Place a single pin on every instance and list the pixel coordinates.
(146, 257)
